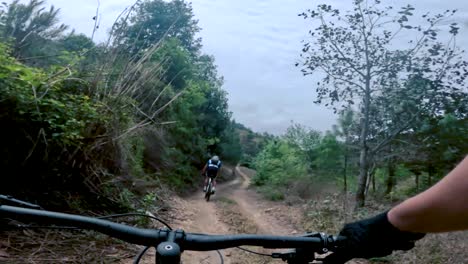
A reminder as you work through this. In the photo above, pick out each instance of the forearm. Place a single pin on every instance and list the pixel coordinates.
(443, 207)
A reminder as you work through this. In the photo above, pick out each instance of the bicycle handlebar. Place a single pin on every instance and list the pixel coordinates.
(317, 242)
(152, 237)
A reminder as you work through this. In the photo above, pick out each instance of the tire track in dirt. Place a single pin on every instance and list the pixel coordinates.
(248, 202)
(198, 216)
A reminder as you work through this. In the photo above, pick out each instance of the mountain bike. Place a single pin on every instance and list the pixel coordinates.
(169, 243)
(209, 189)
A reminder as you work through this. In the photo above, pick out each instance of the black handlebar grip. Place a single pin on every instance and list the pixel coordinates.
(338, 256)
(340, 241)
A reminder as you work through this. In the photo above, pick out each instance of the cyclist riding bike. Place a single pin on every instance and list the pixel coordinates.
(211, 170)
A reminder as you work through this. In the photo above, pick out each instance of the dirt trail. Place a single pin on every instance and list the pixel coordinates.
(233, 209)
(198, 216)
(251, 206)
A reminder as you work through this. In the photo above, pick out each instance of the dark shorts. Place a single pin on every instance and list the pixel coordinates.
(211, 174)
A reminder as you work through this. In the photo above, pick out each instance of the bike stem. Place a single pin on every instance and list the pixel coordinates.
(169, 252)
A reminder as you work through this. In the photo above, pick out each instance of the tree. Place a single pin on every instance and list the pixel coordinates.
(163, 34)
(412, 101)
(27, 25)
(356, 52)
(279, 164)
(252, 143)
(329, 156)
(307, 140)
(108, 114)
(73, 42)
(154, 20)
(441, 142)
(346, 130)
(230, 147)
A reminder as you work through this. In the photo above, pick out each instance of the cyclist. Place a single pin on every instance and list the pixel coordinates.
(441, 208)
(211, 169)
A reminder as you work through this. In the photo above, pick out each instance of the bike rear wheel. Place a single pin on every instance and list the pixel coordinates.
(208, 190)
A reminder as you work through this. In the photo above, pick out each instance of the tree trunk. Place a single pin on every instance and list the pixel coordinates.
(416, 179)
(430, 173)
(360, 194)
(390, 182)
(363, 157)
(373, 182)
(345, 168)
(368, 184)
(370, 177)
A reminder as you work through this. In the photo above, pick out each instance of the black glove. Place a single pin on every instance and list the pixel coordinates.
(371, 238)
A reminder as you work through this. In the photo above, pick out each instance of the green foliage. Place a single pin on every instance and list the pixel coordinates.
(63, 116)
(133, 154)
(325, 153)
(329, 157)
(441, 143)
(51, 130)
(279, 163)
(302, 159)
(178, 64)
(99, 121)
(31, 29)
(160, 19)
(307, 140)
(230, 145)
(252, 143)
(76, 42)
(199, 119)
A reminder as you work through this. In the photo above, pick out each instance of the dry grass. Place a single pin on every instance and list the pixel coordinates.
(48, 246)
(67, 246)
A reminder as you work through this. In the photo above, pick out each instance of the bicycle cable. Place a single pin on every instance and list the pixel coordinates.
(46, 227)
(220, 256)
(253, 252)
(136, 214)
(100, 217)
(140, 255)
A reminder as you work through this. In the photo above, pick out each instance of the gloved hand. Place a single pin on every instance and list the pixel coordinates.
(371, 238)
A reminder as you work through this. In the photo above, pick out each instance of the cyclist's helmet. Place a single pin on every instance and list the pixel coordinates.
(215, 158)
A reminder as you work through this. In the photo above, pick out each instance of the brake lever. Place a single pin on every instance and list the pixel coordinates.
(302, 255)
(11, 200)
(296, 256)
(285, 256)
(328, 241)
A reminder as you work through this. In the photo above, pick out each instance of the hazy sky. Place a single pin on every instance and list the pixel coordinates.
(255, 44)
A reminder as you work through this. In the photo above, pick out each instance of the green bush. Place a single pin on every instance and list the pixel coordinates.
(57, 138)
(33, 96)
(279, 165)
(272, 193)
